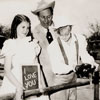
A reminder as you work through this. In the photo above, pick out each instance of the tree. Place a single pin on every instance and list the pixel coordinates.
(4, 31)
(94, 40)
(4, 34)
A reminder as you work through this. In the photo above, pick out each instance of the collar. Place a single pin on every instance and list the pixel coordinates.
(74, 38)
(24, 40)
(50, 27)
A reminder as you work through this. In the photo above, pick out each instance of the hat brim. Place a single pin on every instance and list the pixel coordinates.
(52, 4)
(57, 28)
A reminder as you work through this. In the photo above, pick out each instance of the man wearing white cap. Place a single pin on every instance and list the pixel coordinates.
(65, 53)
(45, 34)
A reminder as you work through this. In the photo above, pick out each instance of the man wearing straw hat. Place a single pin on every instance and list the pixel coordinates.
(45, 34)
(65, 53)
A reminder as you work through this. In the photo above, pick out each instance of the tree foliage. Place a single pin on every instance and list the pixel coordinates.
(5, 31)
(4, 34)
(94, 40)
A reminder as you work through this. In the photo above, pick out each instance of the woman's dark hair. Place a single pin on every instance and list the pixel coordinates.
(16, 21)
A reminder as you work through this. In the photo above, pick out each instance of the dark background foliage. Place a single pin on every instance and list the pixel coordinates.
(94, 40)
(4, 34)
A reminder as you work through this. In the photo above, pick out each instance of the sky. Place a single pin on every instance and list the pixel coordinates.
(77, 12)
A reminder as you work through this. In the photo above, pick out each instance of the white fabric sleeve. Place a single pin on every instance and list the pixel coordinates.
(8, 48)
(85, 56)
(58, 64)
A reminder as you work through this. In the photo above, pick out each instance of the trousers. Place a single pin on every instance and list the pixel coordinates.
(66, 94)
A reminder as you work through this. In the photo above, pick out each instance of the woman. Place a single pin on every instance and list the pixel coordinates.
(20, 50)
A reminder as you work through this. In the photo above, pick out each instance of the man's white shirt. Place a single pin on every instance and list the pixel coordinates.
(57, 60)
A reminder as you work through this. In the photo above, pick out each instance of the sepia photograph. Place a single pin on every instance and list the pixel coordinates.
(49, 49)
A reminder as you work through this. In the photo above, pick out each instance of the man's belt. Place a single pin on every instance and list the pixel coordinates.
(66, 73)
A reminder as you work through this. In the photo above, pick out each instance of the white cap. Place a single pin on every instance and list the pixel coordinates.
(61, 22)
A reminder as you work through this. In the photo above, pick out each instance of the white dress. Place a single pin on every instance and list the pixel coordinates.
(24, 53)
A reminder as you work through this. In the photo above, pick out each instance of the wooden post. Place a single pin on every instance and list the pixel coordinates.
(96, 85)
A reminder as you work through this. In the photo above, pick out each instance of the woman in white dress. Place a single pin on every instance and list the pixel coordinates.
(20, 49)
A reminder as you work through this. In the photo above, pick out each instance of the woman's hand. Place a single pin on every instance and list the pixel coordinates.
(96, 66)
(19, 93)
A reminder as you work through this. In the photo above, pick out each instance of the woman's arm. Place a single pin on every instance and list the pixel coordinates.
(9, 74)
(12, 78)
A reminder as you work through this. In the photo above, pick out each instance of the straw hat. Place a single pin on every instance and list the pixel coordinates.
(62, 22)
(43, 5)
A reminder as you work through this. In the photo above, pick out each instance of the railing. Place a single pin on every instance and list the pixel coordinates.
(53, 89)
